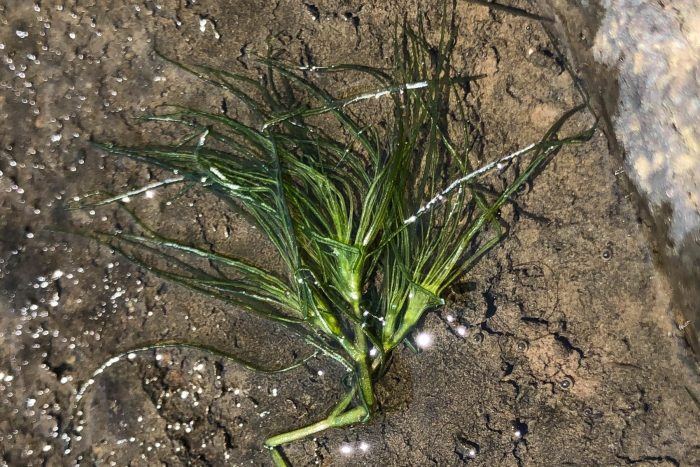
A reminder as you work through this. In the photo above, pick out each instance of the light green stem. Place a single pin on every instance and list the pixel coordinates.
(363, 363)
(336, 419)
(365, 379)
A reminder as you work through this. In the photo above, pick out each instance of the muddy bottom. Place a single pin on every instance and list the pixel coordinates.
(558, 349)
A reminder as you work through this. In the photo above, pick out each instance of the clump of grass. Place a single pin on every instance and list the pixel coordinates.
(372, 223)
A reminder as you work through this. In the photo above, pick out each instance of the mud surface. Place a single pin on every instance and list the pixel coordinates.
(569, 355)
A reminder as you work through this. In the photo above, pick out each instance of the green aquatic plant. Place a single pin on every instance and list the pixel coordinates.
(372, 222)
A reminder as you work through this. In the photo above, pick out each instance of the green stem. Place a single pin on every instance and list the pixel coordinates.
(300, 433)
(336, 419)
(364, 373)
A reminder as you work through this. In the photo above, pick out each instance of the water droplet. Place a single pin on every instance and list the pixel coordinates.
(466, 449)
(522, 346)
(607, 253)
(520, 429)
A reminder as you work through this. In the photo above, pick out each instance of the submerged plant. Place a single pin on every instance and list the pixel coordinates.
(372, 222)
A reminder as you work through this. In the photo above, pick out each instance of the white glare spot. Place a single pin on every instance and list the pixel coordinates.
(462, 331)
(117, 294)
(320, 372)
(57, 274)
(150, 194)
(410, 220)
(184, 394)
(517, 434)
(56, 138)
(364, 447)
(346, 449)
(21, 34)
(131, 356)
(373, 352)
(424, 340)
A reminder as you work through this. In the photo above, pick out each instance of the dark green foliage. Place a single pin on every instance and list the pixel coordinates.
(372, 222)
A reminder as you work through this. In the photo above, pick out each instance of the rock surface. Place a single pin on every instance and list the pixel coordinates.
(641, 63)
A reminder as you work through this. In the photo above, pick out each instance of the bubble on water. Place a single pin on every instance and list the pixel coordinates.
(607, 253)
(521, 346)
(566, 383)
